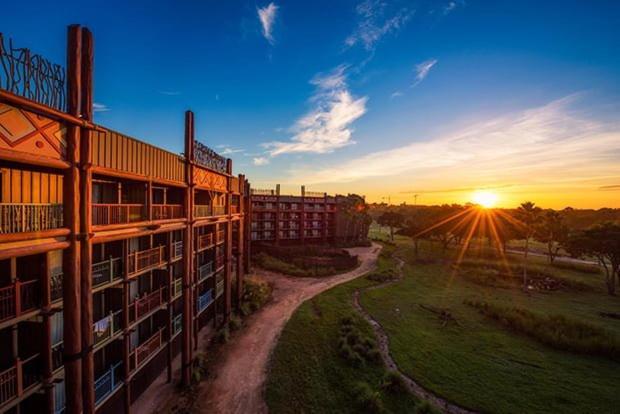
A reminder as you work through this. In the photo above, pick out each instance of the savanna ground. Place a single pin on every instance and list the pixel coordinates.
(501, 350)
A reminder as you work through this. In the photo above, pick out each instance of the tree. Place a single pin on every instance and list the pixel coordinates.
(529, 215)
(603, 242)
(391, 219)
(553, 232)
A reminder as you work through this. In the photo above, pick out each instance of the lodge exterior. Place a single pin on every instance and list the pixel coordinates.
(308, 218)
(114, 253)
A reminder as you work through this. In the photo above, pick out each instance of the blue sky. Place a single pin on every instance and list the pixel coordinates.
(385, 98)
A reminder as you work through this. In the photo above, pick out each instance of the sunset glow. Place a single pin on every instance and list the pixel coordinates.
(484, 198)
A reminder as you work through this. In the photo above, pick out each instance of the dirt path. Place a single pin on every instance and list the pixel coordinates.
(384, 349)
(240, 376)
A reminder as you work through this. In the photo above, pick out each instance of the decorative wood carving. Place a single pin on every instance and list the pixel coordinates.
(210, 180)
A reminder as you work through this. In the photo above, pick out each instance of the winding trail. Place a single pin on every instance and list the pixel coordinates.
(384, 349)
(240, 375)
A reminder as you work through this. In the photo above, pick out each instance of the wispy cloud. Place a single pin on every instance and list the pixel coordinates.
(328, 126)
(396, 94)
(169, 93)
(376, 18)
(227, 150)
(551, 141)
(260, 161)
(452, 5)
(99, 107)
(422, 70)
(267, 17)
(614, 187)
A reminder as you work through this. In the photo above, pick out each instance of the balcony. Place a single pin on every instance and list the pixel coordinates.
(205, 241)
(107, 383)
(139, 355)
(18, 298)
(106, 214)
(177, 288)
(146, 304)
(146, 260)
(167, 211)
(107, 271)
(219, 210)
(19, 218)
(219, 288)
(107, 327)
(177, 324)
(18, 379)
(204, 300)
(205, 271)
(220, 237)
(177, 250)
(203, 211)
(234, 209)
(56, 287)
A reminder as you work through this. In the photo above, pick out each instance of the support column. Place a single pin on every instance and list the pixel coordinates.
(247, 214)
(277, 226)
(72, 334)
(188, 252)
(127, 332)
(302, 223)
(46, 351)
(170, 279)
(228, 266)
(86, 251)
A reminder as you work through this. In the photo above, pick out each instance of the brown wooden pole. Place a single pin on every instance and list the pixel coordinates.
(170, 279)
(188, 250)
(71, 261)
(46, 352)
(126, 343)
(248, 223)
(88, 367)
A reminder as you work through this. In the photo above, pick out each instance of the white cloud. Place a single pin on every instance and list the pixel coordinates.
(328, 125)
(226, 150)
(170, 93)
(267, 17)
(422, 70)
(396, 94)
(260, 161)
(375, 20)
(453, 4)
(99, 107)
(550, 141)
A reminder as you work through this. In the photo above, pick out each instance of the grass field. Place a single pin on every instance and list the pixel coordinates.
(477, 362)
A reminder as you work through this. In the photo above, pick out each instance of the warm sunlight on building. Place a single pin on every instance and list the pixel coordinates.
(484, 198)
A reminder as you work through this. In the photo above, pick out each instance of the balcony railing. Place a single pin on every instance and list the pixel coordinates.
(56, 286)
(167, 211)
(146, 304)
(204, 300)
(205, 271)
(205, 241)
(145, 350)
(19, 218)
(234, 209)
(104, 214)
(219, 261)
(146, 259)
(18, 379)
(177, 288)
(203, 211)
(220, 237)
(177, 250)
(219, 210)
(219, 288)
(177, 324)
(107, 327)
(108, 382)
(18, 298)
(107, 271)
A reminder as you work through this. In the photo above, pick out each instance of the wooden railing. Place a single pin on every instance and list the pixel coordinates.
(177, 324)
(105, 272)
(177, 288)
(18, 298)
(146, 304)
(219, 210)
(220, 236)
(205, 241)
(107, 383)
(145, 350)
(204, 300)
(219, 261)
(167, 211)
(104, 214)
(18, 378)
(146, 259)
(205, 271)
(234, 209)
(177, 250)
(107, 327)
(203, 211)
(56, 286)
(219, 288)
(19, 218)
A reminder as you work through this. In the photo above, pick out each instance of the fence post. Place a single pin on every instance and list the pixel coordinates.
(19, 376)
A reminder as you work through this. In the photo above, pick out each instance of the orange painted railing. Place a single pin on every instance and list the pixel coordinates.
(203, 211)
(18, 298)
(17, 218)
(219, 210)
(104, 214)
(146, 304)
(146, 259)
(205, 241)
(145, 350)
(167, 211)
(177, 288)
(177, 250)
(220, 237)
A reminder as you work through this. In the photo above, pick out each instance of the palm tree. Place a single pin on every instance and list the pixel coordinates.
(529, 215)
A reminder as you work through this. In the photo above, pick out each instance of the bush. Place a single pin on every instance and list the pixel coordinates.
(223, 335)
(256, 293)
(304, 260)
(235, 323)
(354, 346)
(394, 383)
(383, 275)
(368, 399)
(556, 331)
(425, 408)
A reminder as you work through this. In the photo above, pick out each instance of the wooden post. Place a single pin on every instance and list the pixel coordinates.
(71, 261)
(149, 200)
(127, 333)
(302, 224)
(188, 251)
(88, 367)
(170, 310)
(277, 226)
(46, 351)
(248, 223)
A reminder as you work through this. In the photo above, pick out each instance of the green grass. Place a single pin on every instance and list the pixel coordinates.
(480, 364)
(308, 372)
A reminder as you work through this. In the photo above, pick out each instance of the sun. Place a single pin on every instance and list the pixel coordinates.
(484, 198)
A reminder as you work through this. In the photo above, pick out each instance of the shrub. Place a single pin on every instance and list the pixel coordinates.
(223, 335)
(383, 275)
(235, 323)
(556, 331)
(354, 346)
(425, 407)
(368, 399)
(394, 383)
(304, 260)
(256, 293)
